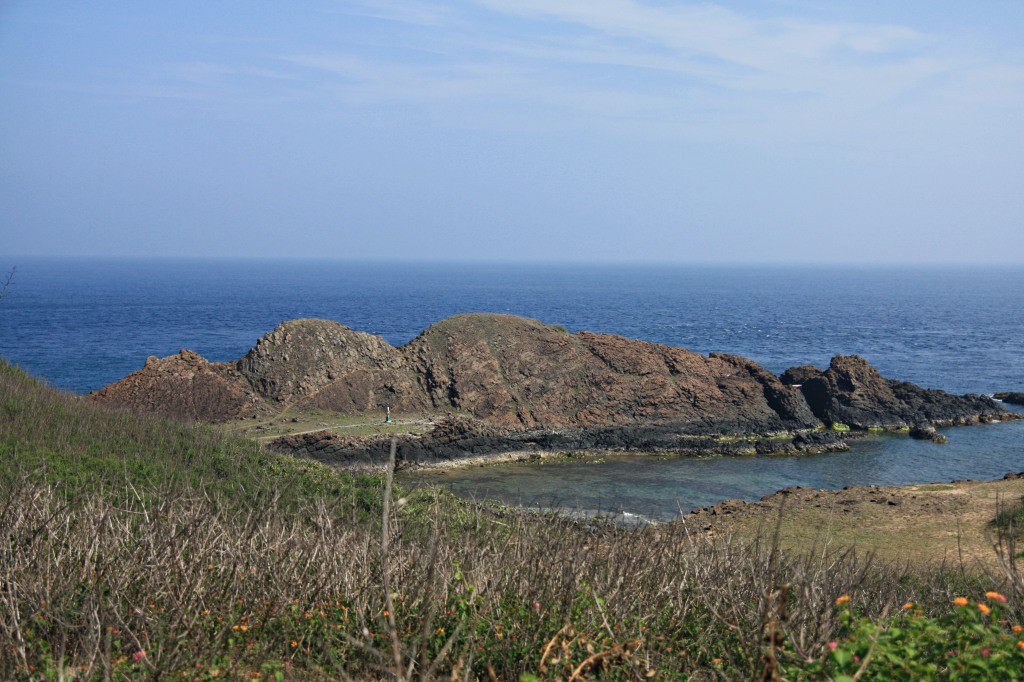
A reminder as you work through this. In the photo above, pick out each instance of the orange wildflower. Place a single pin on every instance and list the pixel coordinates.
(1017, 628)
(995, 596)
(1020, 645)
(909, 605)
(843, 599)
(960, 601)
(984, 609)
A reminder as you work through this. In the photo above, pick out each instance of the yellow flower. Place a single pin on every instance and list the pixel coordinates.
(960, 601)
(984, 609)
(843, 599)
(995, 596)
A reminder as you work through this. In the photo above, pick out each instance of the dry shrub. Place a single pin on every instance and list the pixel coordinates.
(172, 583)
(134, 548)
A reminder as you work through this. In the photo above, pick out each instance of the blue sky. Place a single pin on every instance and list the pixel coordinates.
(557, 130)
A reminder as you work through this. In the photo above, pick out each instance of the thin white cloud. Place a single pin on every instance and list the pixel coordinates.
(648, 69)
(698, 61)
(717, 45)
(716, 30)
(400, 11)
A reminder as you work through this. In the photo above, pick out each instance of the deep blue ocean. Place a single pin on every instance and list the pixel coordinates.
(81, 324)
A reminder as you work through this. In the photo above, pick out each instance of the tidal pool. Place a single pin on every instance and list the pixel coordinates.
(662, 488)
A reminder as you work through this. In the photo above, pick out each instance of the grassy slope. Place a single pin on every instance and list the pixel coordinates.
(56, 437)
(231, 561)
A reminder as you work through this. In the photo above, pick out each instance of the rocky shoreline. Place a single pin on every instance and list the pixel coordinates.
(846, 498)
(455, 442)
(498, 384)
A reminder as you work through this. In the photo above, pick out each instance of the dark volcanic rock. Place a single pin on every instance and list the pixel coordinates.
(852, 392)
(942, 409)
(455, 439)
(927, 432)
(1012, 398)
(450, 439)
(797, 376)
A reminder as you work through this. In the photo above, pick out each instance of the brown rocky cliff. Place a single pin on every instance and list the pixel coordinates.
(183, 386)
(320, 364)
(520, 374)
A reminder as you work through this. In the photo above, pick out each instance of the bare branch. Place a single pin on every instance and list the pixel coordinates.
(7, 282)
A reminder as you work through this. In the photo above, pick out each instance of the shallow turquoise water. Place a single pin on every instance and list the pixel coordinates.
(662, 488)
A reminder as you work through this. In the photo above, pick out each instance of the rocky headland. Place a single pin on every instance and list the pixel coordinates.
(498, 384)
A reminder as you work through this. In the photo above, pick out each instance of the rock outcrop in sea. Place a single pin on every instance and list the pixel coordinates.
(508, 383)
(852, 392)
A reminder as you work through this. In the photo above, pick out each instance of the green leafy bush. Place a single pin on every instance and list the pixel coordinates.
(970, 642)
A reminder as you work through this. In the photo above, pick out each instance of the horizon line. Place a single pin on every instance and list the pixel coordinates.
(471, 261)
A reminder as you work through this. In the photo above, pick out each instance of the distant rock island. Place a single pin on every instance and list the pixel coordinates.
(501, 383)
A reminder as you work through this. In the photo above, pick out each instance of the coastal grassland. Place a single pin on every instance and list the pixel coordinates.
(137, 549)
(294, 421)
(1009, 520)
(927, 524)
